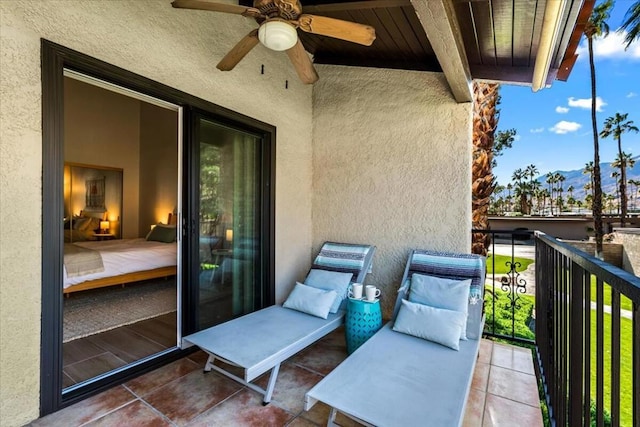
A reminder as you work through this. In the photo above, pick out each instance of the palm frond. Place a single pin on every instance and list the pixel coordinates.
(631, 24)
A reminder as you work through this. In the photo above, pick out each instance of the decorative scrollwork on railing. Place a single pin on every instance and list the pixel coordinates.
(512, 283)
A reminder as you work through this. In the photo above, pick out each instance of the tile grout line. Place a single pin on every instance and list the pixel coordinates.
(108, 412)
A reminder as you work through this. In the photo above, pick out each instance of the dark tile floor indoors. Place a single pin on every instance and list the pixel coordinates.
(504, 393)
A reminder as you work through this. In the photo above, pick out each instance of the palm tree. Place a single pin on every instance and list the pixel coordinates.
(521, 190)
(596, 26)
(616, 175)
(532, 171)
(622, 163)
(545, 195)
(615, 126)
(561, 179)
(485, 121)
(550, 177)
(504, 139)
(632, 24)
(634, 193)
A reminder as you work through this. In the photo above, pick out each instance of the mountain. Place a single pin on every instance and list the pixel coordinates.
(578, 179)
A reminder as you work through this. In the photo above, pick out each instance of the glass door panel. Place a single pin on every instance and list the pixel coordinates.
(229, 223)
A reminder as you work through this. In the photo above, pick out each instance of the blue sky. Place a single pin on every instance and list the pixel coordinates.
(554, 124)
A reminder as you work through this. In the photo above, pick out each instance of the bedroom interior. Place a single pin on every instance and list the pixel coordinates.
(120, 242)
(121, 246)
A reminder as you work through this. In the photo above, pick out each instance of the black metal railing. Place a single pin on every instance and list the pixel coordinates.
(588, 345)
(509, 289)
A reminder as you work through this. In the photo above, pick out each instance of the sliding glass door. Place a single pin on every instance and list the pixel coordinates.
(230, 223)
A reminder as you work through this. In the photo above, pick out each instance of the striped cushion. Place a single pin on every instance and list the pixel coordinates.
(341, 257)
(452, 266)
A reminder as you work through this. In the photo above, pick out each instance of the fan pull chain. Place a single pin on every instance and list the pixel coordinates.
(286, 84)
(262, 69)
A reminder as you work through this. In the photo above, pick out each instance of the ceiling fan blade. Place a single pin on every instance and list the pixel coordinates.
(337, 28)
(239, 51)
(302, 63)
(216, 7)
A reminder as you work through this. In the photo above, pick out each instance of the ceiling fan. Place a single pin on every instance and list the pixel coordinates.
(278, 20)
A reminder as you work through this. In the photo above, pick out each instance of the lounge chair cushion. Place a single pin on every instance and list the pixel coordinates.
(330, 281)
(441, 293)
(347, 258)
(430, 323)
(310, 300)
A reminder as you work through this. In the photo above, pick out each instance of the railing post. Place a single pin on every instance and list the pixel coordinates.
(564, 336)
(636, 364)
(576, 354)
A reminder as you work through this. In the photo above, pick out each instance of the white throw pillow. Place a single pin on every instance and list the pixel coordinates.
(430, 323)
(441, 293)
(330, 281)
(310, 300)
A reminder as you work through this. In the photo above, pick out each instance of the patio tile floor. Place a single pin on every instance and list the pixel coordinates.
(503, 393)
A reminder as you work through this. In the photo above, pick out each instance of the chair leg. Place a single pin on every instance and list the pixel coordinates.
(331, 422)
(209, 365)
(271, 385)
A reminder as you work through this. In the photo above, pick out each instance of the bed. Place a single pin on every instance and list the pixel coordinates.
(123, 261)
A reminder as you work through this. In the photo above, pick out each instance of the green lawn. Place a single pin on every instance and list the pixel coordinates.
(625, 302)
(626, 367)
(501, 263)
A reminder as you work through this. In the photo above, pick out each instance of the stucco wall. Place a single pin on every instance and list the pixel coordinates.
(102, 128)
(391, 166)
(630, 241)
(178, 48)
(158, 165)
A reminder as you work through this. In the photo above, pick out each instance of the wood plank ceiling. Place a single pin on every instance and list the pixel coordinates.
(499, 38)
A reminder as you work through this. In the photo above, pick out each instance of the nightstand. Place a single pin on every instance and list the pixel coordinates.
(104, 236)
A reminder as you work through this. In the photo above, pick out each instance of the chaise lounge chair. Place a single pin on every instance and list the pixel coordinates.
(396, 379)
(262, 340)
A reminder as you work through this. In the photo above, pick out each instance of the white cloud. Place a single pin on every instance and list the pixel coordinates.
(561, 110)
(610, 47)
(536, 130)
(632, 95)
(586, 103)
(563, 127)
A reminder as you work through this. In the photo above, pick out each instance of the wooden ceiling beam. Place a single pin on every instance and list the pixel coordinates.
(354, 5)
(514, 75)
(437, 17)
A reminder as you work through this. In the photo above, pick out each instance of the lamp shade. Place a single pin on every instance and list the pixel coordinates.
(104, 225)
(277, 35)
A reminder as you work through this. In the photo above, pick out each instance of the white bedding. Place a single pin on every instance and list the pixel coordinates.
(127, 256)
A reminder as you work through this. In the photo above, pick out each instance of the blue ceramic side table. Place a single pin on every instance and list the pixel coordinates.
(362, 321)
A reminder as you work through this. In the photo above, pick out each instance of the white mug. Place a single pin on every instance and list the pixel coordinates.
(355, 291)
(371, 292)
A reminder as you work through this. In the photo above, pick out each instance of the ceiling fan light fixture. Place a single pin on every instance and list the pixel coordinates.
(277, 35)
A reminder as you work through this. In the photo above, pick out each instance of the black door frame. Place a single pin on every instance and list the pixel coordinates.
(54, 59)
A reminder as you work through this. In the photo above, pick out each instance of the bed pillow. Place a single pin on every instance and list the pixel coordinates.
(330, 281)
(441, 293)
(162, 233)
(430, 323)
(80, 223)
(310, 300)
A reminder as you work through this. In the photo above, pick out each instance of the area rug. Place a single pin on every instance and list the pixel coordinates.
(94, 311)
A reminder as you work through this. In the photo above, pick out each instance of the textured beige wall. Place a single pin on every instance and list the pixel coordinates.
(158, 165)
(630, 241)
(102, 128)
(391, 166)
(176, 47)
